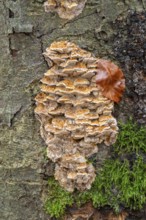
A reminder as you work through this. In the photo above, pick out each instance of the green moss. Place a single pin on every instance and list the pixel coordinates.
(131, 138)
(57, 200)
(119, 182)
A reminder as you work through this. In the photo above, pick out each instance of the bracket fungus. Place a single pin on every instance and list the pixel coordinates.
(75, 110)
(66, 9)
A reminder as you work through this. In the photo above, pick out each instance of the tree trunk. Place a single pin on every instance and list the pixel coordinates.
(114, 30)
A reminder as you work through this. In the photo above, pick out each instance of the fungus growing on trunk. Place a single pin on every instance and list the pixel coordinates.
(66, 9)
(74, 112)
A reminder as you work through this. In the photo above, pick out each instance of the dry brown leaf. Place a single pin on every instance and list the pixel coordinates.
(88, 212)
(121, 216)
(110, 77)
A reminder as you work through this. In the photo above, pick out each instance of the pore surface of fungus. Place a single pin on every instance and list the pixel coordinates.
(74, 112)
(66, 9)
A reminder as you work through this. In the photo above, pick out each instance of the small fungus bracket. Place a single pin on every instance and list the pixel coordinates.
(66, 9)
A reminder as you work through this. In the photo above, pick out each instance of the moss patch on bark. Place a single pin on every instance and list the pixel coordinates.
(121, 182)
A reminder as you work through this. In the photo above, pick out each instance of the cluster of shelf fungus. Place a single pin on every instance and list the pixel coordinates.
(75, 111)
(66, 9)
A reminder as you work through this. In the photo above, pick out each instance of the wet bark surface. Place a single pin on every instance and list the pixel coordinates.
(113, 30)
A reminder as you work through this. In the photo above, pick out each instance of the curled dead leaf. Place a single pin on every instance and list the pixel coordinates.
(111, 79)
(88, 212)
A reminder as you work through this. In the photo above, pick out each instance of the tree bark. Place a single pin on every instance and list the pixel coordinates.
(114, 30)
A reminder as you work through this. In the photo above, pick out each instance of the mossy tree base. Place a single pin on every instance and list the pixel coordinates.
(120, 183)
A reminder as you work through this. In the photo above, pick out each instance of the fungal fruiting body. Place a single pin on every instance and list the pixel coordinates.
(66, 9)
(75, 115)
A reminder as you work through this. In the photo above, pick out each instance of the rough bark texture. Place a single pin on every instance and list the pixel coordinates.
(112, 29)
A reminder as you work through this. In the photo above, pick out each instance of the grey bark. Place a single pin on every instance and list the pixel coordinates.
(110, 29)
